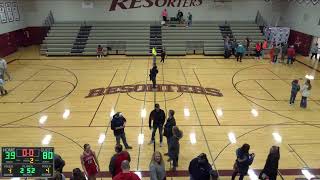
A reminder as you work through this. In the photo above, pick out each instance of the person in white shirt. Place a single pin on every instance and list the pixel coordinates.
(305, 92)
(4, 69)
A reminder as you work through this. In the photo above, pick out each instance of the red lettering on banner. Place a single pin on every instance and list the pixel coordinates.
(171, 2)
(96, 92)
(120, 4)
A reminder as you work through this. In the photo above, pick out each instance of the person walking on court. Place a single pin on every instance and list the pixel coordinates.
(163, 55)
(4, 69)
(243, 161)
(154, 56)
(118, 124)
(295, 88)
(153, 76)
(3, 91)
(270, 170)
(174, 147)
(116, 160)
(314, 51)
(291, 53)
(240, 52)
(171, 122)
(126, 174)
(89, 162)
(156, 167)
(201, 169)
(305, 92)
(157, 117)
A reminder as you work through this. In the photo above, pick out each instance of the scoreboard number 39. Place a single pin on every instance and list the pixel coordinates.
(27, 161)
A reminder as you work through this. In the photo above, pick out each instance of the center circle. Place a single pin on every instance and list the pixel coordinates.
(164, 99)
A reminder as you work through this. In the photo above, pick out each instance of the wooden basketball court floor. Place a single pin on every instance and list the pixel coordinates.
(254, 105)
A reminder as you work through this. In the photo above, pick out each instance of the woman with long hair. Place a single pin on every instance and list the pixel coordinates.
(305, 91)
(243, 161)
(270, 170)
(156, 167)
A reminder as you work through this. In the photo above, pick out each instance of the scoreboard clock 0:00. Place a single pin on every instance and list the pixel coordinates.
(27, 161)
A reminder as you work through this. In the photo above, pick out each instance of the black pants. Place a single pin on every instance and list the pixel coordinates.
(293, 97)
(154, 82)
(275, 58)
(154, 129)
(234, 174)
(315, 55)
(124, 139)
(162, 59)
(303, 102)
(239, 56)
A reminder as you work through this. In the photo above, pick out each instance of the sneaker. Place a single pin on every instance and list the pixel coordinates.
(151, 142)
(129, 147)
(161, 144)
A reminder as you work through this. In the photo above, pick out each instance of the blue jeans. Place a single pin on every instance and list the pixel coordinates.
(290, 60)
(303, 102)
(293, 97)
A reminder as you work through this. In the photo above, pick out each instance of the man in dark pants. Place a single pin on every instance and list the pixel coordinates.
(158, 117)
(153, 76)
(171, 122)
(118, 123)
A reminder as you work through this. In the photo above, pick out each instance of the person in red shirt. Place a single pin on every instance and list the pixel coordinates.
(264, 47)
(126, 174)
(258, 50)
(89, 162)
(291, 53)
(116, 160)
(100, 53)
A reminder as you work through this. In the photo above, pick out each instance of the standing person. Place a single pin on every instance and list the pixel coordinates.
(314, 51)
(283, 53)
(89, 162)
(234, 46)
(295, 88)
(291, 53)
(276, 53)
(264, 47)
(154, 56)
(243, 161)
(171, 122)
(153, 76)
(157, 117)
(174, 147)
(156, 167)
(3, 91)
(164, 15)
(271, 53)
(126, 174)
(240, 52)
(163, 55)
(305, 92)
(270, 170)
(201, 169)
(100, 52)
(118, 124)
(189, 19)
(4, 69)
(248, 41)
(258, 50)
(116, 160)
(180, 16)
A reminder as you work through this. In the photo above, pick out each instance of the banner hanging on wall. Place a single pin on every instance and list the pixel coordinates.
(3, 15)
(9, 11)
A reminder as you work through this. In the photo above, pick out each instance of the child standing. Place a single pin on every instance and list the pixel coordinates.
(295, 88)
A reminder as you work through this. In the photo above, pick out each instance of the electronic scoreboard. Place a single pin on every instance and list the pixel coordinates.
(27, 161)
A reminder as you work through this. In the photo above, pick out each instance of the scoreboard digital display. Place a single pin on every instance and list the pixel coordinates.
(27, 161)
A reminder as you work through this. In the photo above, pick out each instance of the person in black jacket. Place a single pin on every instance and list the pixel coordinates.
(201, 169)
(158, 117)
(243, 161)
(59, 163)
(270, 170)
(174, 147)
(171, 121)
(153, 76)
(118, 123)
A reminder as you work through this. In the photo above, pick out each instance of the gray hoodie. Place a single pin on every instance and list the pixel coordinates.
(157, 172)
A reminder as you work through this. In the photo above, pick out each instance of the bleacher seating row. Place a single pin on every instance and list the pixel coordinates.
(133, 38)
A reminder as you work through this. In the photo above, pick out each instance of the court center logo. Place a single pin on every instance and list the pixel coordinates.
(160, 88)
